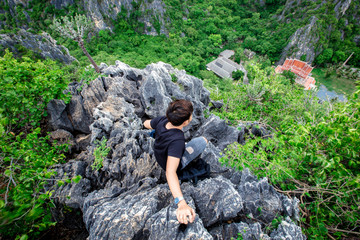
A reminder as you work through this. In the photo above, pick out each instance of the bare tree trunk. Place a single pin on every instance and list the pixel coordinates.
(81, 44)
(347, 59)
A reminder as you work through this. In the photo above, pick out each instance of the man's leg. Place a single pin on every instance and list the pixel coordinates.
(192, 150)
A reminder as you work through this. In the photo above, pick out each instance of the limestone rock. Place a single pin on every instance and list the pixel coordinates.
(63, 137)
(128, 198)
(82, 141)
(234, 230)
(341, 8)
(98, 11)
(108, 215)
(287, 230)
(72, 194)
(215, 204)
(303, 40)
(58, 118)
(80, 119)
(261, 201)
(212, 155)
(61, 3)
(217, 132)
(216, 104)
(93, 94)
(43, 44)
(166, 223)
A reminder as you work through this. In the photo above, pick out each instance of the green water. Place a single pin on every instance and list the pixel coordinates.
(332, 86)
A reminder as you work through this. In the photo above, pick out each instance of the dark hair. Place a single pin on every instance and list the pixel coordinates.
(179, 111)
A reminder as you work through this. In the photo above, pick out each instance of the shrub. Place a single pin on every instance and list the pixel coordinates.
(312, 154)
(27, 87)
(100, 152)
(289, 75)
(238, 75)
(25, 152)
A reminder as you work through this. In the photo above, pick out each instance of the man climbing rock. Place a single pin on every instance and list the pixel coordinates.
(171, 152)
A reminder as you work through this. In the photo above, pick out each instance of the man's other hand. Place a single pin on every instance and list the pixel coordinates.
(184, 213)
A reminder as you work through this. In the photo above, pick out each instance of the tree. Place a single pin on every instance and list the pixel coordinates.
(74, 28)
(237, 75)
(289, 75)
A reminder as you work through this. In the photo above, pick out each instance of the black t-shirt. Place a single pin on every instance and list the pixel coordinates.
(168, 142)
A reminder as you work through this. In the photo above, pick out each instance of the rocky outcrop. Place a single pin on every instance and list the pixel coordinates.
(341, 8)
(302, 42)
(99, 11)
(152, 12)
(128, 197)
(43, 45)
(61, 3)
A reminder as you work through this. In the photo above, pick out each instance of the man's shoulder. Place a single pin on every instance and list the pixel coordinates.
(154, 122)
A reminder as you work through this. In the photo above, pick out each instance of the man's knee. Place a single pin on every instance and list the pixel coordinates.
(205, 139)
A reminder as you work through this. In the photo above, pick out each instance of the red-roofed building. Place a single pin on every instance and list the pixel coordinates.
(301, 69)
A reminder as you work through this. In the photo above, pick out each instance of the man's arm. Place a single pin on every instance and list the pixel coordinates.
(147, 124)
(184, 213)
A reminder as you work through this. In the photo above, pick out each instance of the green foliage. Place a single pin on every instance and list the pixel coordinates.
(214, 83)
(27, 87)
(215, 39)
(196, 38)
(289, 75)
(72, 27)
(238, 75)
(313, 152)
(26, 153)
(25, 160)
(100, 152)
(325, 56)
(174, 78)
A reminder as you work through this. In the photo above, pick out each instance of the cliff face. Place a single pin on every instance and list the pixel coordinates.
(43, 45)
(128, 197)
(151, 11)
(98, 10)
(302, 42)
(316, 25)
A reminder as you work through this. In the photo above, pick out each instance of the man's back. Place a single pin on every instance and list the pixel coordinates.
(168, 142)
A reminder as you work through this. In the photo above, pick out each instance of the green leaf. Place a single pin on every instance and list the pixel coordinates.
(60, 183)
(76, 179)
(24, 237)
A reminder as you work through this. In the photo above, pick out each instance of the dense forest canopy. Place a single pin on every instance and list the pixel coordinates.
(314, 152)
(196, 30)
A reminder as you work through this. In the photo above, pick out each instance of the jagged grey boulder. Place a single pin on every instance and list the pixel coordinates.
(128, 197)
(287, 230)
(71, 194)
(261, 201)
(212, 156)
(58, 118)
(61, 136)
(108, 215)
(79, 118)
(243, 230)
(215, 204)
(165, 222)
(218, 132)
